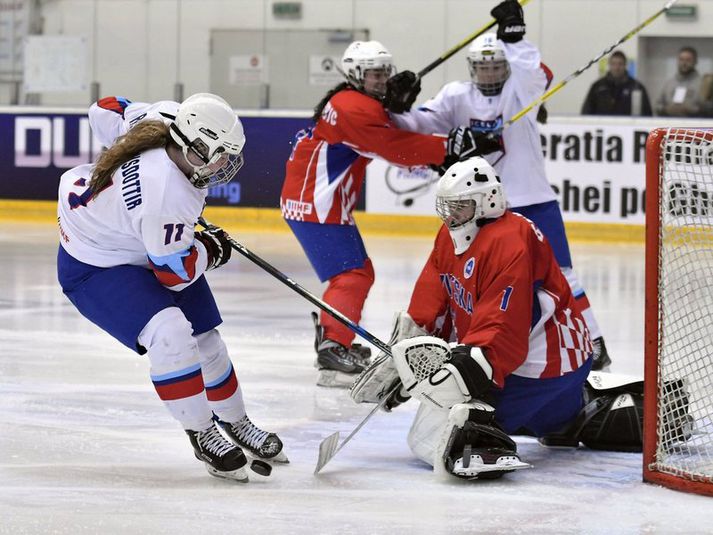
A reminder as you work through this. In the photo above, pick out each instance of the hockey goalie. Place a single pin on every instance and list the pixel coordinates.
(519, 352)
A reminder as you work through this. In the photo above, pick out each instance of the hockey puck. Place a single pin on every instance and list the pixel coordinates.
(260, 467)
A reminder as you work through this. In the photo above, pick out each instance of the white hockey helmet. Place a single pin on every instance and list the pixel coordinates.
(469, 192)
(489, 68)
(361, 56)
(207, 127)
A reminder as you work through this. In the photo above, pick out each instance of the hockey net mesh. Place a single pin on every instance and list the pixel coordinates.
(684, 427)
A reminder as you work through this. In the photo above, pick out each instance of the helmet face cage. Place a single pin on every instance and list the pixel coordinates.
(456, 212)
(220, 170)
(488, 66)
(489, 76)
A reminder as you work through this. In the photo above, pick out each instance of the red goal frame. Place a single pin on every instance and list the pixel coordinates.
(654, 165)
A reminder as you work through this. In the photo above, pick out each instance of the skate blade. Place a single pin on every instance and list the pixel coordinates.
(506, 463)
(336, 379)
(280, 458)
(240, 475)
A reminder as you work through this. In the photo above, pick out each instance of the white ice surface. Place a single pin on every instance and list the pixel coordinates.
(86, 446)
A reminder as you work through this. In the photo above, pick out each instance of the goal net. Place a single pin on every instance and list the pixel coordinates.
(678, 414)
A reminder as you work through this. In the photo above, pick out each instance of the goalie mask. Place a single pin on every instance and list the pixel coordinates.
(363, 56)
(489, 68)
(467, 194)
(208, 131)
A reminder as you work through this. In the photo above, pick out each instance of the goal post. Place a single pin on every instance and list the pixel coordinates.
(678, 397)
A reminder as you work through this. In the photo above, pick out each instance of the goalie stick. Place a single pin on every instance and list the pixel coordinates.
(329, 447)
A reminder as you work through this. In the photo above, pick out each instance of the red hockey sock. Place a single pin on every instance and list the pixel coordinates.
(346, 292)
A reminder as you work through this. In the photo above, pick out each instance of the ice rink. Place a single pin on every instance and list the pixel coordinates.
(86, 446)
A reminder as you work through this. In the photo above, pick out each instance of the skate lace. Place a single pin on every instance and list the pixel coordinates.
(249, 433)
(212, 441)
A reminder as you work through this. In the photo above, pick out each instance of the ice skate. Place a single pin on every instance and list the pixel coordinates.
(337, 365)
(221, 457)
(601, 360)
(258, 443)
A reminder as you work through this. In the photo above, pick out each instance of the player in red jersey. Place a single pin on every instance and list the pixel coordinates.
(520, 354)
(324, 177)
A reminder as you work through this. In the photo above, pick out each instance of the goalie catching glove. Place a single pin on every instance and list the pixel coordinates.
(431, 371)
(380, 378)
(401, 92)
(217, 243)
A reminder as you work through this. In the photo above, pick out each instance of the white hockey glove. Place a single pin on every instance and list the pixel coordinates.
(431, 371)
(381, 376)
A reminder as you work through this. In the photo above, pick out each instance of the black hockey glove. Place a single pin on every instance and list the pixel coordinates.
(464, 143)
(397, 398)
(217, 243)
(511, 21)
(542, 114)
(401, 92)
(474, 369)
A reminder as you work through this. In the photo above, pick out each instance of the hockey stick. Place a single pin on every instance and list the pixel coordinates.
(366, 335)
(328, 448)
(465, 42)
(576, 73)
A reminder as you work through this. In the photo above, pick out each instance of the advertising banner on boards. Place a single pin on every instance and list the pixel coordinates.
(36, 148)
(597, 172)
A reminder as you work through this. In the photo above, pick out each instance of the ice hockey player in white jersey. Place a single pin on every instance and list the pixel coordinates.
(507, 75)
(131, 261)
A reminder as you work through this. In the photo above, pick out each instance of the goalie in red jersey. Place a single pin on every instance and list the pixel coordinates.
(521, 351)
(324, 177)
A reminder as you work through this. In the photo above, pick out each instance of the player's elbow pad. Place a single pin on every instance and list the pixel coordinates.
(474, 369)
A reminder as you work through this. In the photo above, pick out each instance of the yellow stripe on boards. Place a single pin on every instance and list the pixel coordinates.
(270, 220)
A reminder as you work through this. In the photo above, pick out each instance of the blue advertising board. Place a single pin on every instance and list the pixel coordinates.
(36, 147)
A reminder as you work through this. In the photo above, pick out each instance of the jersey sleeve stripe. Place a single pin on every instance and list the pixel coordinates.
(548, 74)
(115, 104)
(176, 268)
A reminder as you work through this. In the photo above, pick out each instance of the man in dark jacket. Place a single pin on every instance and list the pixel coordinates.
(617, 93)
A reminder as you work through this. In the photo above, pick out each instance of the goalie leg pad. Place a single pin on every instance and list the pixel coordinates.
(616, 424)
(472, 446)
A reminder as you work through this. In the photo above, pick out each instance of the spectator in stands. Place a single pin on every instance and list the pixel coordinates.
(680, 96)
(617, 93)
